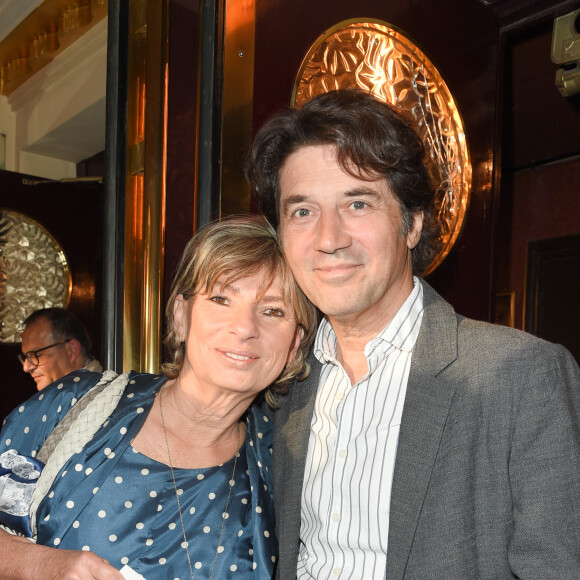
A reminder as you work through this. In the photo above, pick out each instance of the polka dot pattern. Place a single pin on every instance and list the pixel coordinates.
(122, 505)
(136, 495)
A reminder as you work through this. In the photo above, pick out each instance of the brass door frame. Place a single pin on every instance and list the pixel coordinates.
(135, 185)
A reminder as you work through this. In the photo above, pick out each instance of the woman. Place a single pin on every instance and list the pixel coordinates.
(176, 483)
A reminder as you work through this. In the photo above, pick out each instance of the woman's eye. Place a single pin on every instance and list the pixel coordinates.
(218, 299)
(274, 312)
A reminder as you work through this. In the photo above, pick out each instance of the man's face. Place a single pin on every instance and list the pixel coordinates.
(54, 363)
(343, 239)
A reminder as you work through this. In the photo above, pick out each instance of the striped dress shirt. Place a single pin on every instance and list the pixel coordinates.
(351, 452)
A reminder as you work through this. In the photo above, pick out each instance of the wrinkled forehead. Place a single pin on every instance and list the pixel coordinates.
(272, 277)
(351, 161)
(310, 159)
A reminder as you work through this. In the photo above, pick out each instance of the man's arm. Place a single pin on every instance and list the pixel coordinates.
(545, 470)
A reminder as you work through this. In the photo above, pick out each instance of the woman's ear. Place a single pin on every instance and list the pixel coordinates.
(180, 317)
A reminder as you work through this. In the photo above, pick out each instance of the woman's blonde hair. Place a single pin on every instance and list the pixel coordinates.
(228, 250)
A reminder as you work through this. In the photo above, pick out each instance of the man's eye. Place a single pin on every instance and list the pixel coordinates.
(302, 212)
(359, 204)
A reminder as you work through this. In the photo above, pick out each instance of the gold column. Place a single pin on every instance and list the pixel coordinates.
(237, 101)
(145, 188)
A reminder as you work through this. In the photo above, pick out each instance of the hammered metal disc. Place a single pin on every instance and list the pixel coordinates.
(34, 272)
(377, 57)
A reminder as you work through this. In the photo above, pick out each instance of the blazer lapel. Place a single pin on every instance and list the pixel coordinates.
(427, 404)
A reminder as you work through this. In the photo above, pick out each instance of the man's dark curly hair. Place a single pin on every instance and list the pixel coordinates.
(371, 139)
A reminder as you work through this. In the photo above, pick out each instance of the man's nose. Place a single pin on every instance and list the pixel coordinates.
(27, 366)
(331, 233)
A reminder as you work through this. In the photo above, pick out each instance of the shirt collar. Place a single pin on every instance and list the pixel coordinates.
(401, 332)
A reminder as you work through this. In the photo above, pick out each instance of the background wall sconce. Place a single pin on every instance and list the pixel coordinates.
(566, 52)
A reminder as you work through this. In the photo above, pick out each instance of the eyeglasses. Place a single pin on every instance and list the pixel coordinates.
(32, 355)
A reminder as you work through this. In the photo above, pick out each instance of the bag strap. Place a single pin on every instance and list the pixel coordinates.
(59, 431)
(77, 427)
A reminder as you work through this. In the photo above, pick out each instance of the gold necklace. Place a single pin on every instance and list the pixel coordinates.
(224, 514)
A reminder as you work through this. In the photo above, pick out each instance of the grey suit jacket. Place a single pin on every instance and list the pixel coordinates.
(487, 474)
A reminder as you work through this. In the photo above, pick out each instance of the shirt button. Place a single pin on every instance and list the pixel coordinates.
(339, 396)
(336, 517)
(337, 571)
(342, 453)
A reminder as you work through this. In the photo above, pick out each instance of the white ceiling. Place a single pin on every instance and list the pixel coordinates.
(59, 113)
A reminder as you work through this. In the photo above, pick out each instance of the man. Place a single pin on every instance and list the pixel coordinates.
(423, 444)
(55, 343)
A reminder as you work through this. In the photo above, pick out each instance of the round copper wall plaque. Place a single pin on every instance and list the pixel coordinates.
(34, 272)
(375, 56)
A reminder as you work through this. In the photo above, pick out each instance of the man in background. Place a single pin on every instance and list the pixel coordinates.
(55, 343)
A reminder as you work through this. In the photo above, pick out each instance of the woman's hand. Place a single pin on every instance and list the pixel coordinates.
(75, 565)
(20, 559)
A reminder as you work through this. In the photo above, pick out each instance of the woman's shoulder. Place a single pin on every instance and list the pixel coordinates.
(259, 424)
(259, 439)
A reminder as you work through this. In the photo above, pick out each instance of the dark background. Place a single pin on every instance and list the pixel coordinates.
(73, 214)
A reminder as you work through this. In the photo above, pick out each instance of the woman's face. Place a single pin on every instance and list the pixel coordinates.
(233, 341)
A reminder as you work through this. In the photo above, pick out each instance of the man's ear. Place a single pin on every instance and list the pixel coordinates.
(415, 230)
(73, 349)
(180, 317)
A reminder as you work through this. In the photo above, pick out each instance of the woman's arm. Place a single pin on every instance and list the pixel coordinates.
(21, 559)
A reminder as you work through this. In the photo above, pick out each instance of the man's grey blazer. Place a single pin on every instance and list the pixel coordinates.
(487, 474)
